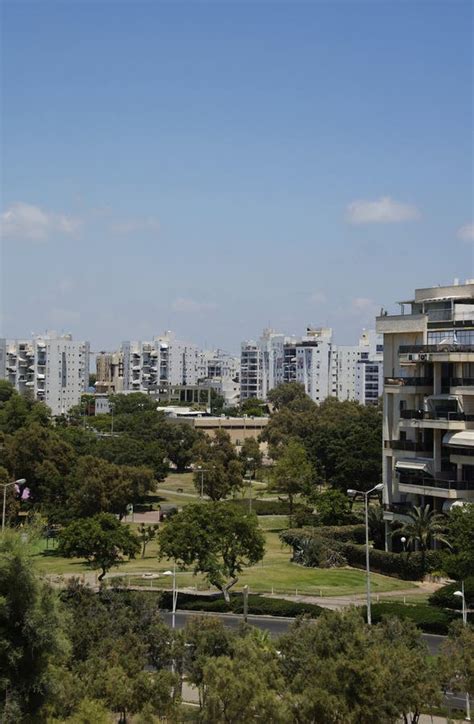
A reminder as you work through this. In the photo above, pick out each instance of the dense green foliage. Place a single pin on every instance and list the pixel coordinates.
(425, 617)
(216, 539)
(102, 540)
(218, 471)
(343, 440)
(257, 605)
(444, 597)
(459, 562)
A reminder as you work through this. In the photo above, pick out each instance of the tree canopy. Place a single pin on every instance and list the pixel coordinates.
(216, 538)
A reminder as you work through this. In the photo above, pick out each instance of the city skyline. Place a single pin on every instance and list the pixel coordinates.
(232, 167)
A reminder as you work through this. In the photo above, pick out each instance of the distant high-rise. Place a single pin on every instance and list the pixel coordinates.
(51, 368)
(314, 360)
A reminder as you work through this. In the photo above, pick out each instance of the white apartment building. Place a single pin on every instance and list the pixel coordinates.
(221, 371)
(322, 367)
(428, 425)
(51, 368)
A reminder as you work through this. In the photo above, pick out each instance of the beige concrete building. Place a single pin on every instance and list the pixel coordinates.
(428, 426)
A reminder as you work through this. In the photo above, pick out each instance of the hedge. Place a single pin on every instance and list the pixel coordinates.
(296, 537)
(408, 566)
(257, 605)
(444, 597)
(427, 618)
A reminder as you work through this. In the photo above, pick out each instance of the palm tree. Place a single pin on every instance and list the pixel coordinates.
(424, 527)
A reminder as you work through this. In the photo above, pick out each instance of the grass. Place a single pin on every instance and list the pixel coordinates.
(274, 572)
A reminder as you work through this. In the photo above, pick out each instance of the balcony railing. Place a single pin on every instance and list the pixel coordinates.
(403, 508)
(439, 415)
(439, 483)
(408, 445)
(461, 382)
(409, 381)
(448, 347)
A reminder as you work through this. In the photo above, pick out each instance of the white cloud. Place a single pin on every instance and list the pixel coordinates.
(191, 306)
(466, 232)
(26, 221)
(381, 211)
(362, 303)
(318, 298)
(132, 226)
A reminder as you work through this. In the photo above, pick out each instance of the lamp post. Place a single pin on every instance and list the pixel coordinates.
(175, 595)
(403, 541)
(202, 471)
(249, 473)
(21, 481)
(464, 620)
(353, 493)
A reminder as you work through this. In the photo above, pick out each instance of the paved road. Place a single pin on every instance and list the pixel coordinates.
(276, 626)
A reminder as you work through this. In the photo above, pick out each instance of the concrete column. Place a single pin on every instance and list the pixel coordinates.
(459, 472)
(437, 449)
(437, 378)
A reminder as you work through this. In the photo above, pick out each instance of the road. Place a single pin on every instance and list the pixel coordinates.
(275, 626)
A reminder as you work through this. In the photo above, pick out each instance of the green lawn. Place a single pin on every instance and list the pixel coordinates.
(275, 572)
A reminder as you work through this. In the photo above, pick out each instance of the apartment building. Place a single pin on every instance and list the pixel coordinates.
(109, 372)
(314, 360)
(51, 368)
(428, 425)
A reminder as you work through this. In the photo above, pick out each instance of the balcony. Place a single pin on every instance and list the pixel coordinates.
(439, 415)
(408, 381)
(438, 482)
(461, 382)
(411, 445)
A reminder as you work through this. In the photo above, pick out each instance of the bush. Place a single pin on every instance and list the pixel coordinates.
(408, 566)
(298, 537)
(444, 597)
(257, 605)
(425, 617)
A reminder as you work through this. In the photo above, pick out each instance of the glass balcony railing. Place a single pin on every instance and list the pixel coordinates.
(439, 483)
(409, 445)
(438, 415)
(426, 348)
(409, 381)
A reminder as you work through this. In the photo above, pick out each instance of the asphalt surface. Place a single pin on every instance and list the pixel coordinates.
(275, 626)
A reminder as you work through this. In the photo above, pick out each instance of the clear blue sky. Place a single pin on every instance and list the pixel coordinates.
(215, 167)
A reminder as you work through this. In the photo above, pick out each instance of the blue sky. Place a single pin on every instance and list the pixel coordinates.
(216, 167)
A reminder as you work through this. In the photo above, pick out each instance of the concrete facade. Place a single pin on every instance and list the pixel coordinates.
(428, 424)
(51, 368)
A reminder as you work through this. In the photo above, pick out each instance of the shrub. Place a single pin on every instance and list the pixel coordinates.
(297, 537)
(408, 566)
(425, 617)
(257, 605)
(444, 597)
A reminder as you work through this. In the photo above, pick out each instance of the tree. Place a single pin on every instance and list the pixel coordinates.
(292, 474)
(7, 390)
(332, 507)
(337, 670)
(96, 486)
(126, 450)
(217, 539)
(206, 637)
(424, 526)
(146, 533)
(459, 563)
(253, 407)
(217, 468)
(32, 631)
(245, 686)
(290, 394)
(101, 540)
(38, 454)
(250, 455)
(456, 662)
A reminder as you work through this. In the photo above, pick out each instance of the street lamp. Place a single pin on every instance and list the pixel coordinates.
(353, 493)
(464, 620)
(21, 481)
(249, 473)
(403, 541)
(202, 471)
(175, 595)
